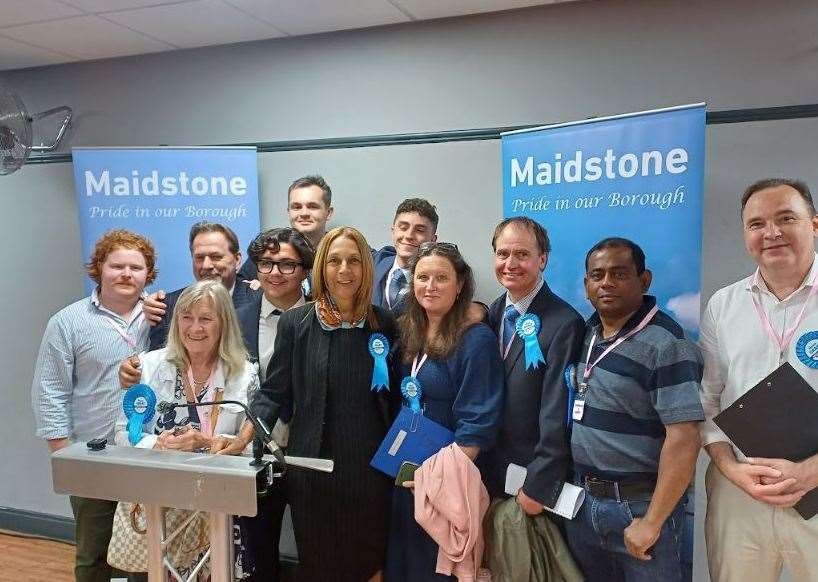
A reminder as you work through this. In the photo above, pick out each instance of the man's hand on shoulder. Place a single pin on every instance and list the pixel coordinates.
(154, 307)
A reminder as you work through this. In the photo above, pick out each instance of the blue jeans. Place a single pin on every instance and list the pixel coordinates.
(596, 541)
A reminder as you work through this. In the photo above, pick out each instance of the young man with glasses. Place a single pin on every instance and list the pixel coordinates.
(283, 258)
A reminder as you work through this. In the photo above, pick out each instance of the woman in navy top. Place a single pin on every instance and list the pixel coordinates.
(460, 373)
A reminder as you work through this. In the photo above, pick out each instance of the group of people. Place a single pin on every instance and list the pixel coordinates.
(321, 335)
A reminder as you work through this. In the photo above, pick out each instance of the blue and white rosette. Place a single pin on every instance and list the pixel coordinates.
(527, 327)
(379, 349)
(139, 405)
(807, 349)
(412, 391)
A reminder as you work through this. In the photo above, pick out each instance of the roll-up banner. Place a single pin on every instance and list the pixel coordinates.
(638, 176)
(160, 193)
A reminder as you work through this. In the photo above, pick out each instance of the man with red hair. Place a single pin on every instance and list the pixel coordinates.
(75, 393)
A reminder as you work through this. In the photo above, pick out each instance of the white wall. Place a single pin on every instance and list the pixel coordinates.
(541, 65)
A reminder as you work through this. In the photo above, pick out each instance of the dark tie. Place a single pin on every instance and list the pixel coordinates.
(276, 312)
(396, 285)
(509, 325)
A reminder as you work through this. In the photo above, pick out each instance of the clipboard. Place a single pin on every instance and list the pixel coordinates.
(412, 437)
(776, 418)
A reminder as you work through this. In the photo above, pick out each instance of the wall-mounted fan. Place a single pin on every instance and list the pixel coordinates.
(16, 133)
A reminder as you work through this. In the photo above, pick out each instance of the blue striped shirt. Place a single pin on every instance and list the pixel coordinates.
(650, 380)
(75, 392)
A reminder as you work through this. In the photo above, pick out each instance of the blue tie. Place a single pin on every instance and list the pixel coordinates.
(509, 325)
(396, 285)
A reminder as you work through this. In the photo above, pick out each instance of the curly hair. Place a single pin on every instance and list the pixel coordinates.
(121, 239)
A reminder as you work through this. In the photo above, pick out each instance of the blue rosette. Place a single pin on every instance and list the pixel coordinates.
(807, 349)
(379, 349)
(139, 405)
(412, 391)
(527, 327)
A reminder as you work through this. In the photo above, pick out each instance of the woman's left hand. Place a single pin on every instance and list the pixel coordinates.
(190, 440)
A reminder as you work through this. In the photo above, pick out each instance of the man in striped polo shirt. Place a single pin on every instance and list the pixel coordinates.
(75, 394)
(635, 424)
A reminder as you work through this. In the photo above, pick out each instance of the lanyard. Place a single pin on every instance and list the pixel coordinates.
(417, 366)
(642, 325)
(782, 341)
(204, 411)
(123, 331)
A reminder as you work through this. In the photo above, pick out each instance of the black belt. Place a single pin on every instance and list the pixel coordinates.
(628, 491)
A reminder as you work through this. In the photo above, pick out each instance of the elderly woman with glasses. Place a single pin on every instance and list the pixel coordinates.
(458, 367)
(330, 369)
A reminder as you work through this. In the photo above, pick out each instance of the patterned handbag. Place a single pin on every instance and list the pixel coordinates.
(128, 549)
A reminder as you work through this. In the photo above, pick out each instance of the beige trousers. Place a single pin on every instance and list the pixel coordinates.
(750, 541)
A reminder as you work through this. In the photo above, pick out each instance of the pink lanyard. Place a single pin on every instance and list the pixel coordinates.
(642, 325)
(123, 331)
(782, 341)
(204, 411)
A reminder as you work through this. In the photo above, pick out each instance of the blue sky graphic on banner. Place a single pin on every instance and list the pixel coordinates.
(160, 193)
(638, 176)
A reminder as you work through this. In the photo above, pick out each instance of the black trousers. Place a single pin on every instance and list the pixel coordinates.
(263, 534)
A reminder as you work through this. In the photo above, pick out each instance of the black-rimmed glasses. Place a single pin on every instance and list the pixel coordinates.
(284, 267)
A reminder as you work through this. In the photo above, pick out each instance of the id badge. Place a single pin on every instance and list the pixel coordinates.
(579, 409)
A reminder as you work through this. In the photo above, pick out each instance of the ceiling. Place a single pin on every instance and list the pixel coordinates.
(34, 33)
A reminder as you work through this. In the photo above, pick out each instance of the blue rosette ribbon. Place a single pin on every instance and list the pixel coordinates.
(527, 327)
(412, 391)
(570, 377)
(139, 405)
(379, 349)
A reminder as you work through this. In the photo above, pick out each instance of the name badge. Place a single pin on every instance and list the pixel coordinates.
(579, 409)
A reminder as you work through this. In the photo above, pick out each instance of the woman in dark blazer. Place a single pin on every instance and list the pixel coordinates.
(322, 370)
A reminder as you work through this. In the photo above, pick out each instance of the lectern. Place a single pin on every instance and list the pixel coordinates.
(220, 485)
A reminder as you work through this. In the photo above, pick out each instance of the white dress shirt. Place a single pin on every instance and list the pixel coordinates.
(738, 352)
(267, 326)
(521, 306)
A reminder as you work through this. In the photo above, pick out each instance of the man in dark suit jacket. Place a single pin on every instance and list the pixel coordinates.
(214, 250)
(415, 223)
(533, 434)
(282, 257)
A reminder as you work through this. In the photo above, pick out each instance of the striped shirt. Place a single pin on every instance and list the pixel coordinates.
(650, 380)
(75, 392)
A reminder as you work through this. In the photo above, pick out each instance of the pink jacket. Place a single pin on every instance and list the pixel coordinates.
(450, 502)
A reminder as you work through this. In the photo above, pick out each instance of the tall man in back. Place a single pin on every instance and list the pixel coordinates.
(75, 394)
(533, 434)
(750, 329)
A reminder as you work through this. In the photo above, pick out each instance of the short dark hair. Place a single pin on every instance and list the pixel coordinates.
(637, 254)
(272, 240)
(797, 185)
(312, 180)
(205, 226)
(531, 226)
(423, 207)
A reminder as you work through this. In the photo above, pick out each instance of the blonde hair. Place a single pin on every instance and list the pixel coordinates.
(363, 297)
(232, 352)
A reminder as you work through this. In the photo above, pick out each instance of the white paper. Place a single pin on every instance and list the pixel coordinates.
(568, 503)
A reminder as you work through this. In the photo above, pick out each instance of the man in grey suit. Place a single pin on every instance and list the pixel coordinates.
(533, 434)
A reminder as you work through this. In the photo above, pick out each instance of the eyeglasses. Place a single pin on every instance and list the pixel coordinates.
(428, 247)
(284, 267)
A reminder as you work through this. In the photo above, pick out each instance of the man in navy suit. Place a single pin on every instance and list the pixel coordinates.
(415, 223)
(215, 253)
(533, 434)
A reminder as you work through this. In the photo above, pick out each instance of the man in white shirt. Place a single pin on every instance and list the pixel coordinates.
(74, 393)
(751, 529)
(282, 257)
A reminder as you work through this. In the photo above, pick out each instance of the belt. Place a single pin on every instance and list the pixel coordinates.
(629, 491)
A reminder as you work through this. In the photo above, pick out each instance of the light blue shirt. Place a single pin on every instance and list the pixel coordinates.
(75, 392)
